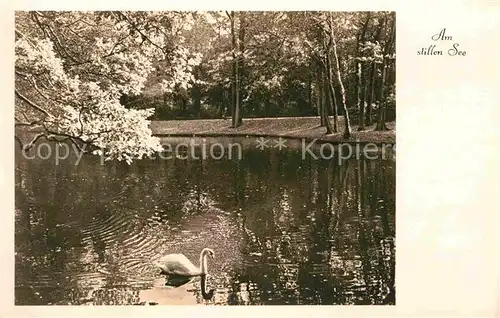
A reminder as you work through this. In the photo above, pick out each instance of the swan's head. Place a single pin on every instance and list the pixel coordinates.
(208, 252)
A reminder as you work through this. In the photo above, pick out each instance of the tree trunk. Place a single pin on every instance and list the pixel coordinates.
(371, 94)
(226, 111)
(241, 63)
(328, 101)
(333, 99)
(381, 115)
(309, 89)
(359, 72)
(381, 112)
(237, 115)
(197, 101)
(373, 76)
(361, 106)
(233, 81)
(320, 100)
(236, 94)
(196, 94)
(347, 128)
(183, 106)
(364, 87)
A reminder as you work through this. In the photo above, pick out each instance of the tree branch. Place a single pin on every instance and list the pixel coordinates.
(32, 142)
(32, 104)
(22, 74)
(35, 86)
(19, 33)
(24, 115)
(21, 145)
(23, 123)
(67, 136)
(58, 45)
(53, 138)
(145, 37)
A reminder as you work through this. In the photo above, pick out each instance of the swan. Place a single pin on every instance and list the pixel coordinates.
(179, 270)
(180, 265)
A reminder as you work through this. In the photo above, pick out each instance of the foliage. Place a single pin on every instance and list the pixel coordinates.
(72, 68)
(97, 78)
(281, 56)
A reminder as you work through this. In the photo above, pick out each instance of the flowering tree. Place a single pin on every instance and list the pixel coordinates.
(72, 68)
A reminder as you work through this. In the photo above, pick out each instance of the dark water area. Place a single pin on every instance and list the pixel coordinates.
(285, 230)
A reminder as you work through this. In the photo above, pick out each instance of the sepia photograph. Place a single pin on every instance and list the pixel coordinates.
(205, 158)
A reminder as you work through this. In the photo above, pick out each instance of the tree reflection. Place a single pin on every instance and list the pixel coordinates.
(286, 230)
(339, 260)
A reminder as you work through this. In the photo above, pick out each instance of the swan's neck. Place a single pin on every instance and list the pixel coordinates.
(203, 264)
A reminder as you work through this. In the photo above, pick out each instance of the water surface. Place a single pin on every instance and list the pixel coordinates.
(285, 230)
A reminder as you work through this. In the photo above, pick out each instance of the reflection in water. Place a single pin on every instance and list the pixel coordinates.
(205, 293)
(285, 230)
(176, 281)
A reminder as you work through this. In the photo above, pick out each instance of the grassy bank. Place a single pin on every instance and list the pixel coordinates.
(290, 127)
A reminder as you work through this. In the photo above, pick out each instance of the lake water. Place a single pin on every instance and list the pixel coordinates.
(285, 229)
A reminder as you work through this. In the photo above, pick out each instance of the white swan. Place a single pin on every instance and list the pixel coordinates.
(179, 270)
(180, 265)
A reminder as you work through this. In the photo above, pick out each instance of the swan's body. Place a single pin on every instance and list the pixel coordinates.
(180, 265)
(179, 270)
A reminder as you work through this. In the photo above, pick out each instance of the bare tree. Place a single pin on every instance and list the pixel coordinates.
(236, 121)
(382, 109)
(360, 87)
(347, 127)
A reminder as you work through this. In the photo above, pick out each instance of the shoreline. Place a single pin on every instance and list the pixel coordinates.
(295, 128)
(289, 128)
